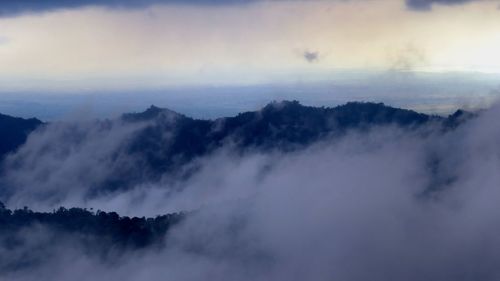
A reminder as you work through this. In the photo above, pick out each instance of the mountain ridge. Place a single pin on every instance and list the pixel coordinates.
(166, 140)
(14, 132)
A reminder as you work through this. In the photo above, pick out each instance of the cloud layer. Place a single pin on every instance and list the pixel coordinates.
(386, 204)
(14, 8)
(426, 5)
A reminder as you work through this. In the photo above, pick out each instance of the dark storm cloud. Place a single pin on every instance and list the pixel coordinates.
(11, 8)
(18, 7)
(426, 5)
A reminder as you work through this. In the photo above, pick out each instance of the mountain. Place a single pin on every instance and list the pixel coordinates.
(284, 126)
(132, 232)
(456, 119)
(71, 162)
(152, 112)
(166, 141)
(102, 233)
(14, 131)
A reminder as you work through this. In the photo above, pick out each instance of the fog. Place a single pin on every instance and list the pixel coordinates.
(387, 204)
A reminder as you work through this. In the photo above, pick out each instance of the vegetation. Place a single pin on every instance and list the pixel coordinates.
(101, 227)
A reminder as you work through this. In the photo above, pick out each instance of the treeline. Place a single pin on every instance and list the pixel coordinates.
(104, 228)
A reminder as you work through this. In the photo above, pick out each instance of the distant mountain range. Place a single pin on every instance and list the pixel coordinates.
(283, 126)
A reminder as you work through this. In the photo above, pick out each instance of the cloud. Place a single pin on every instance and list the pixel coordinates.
(426, 5)
(14, 8)
(67, 161)
(384, 204)
(311, 56)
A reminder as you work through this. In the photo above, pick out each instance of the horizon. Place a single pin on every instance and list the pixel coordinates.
(427, 93)
(74, 115)
(211, 58)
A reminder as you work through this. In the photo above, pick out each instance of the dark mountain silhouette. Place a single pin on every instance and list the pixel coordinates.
(14, 131)
(124, 231)
(457, 118)
(284, 126)
(100, 232)
(170, 140)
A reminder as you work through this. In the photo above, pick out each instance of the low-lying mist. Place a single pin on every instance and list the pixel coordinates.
(387, 203)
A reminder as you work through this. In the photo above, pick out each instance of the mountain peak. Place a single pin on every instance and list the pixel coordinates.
(458, 117)
(154, 108)
(151, 113)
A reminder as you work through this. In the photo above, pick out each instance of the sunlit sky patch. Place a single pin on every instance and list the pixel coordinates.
(167, 43)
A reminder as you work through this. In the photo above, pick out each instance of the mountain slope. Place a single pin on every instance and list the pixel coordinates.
(284, 126)
(147, 146)
(14, 131)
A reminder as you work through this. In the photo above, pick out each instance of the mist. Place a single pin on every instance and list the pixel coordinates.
(384, 204)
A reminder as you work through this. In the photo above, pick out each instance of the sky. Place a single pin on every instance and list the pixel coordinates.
(86, 46)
